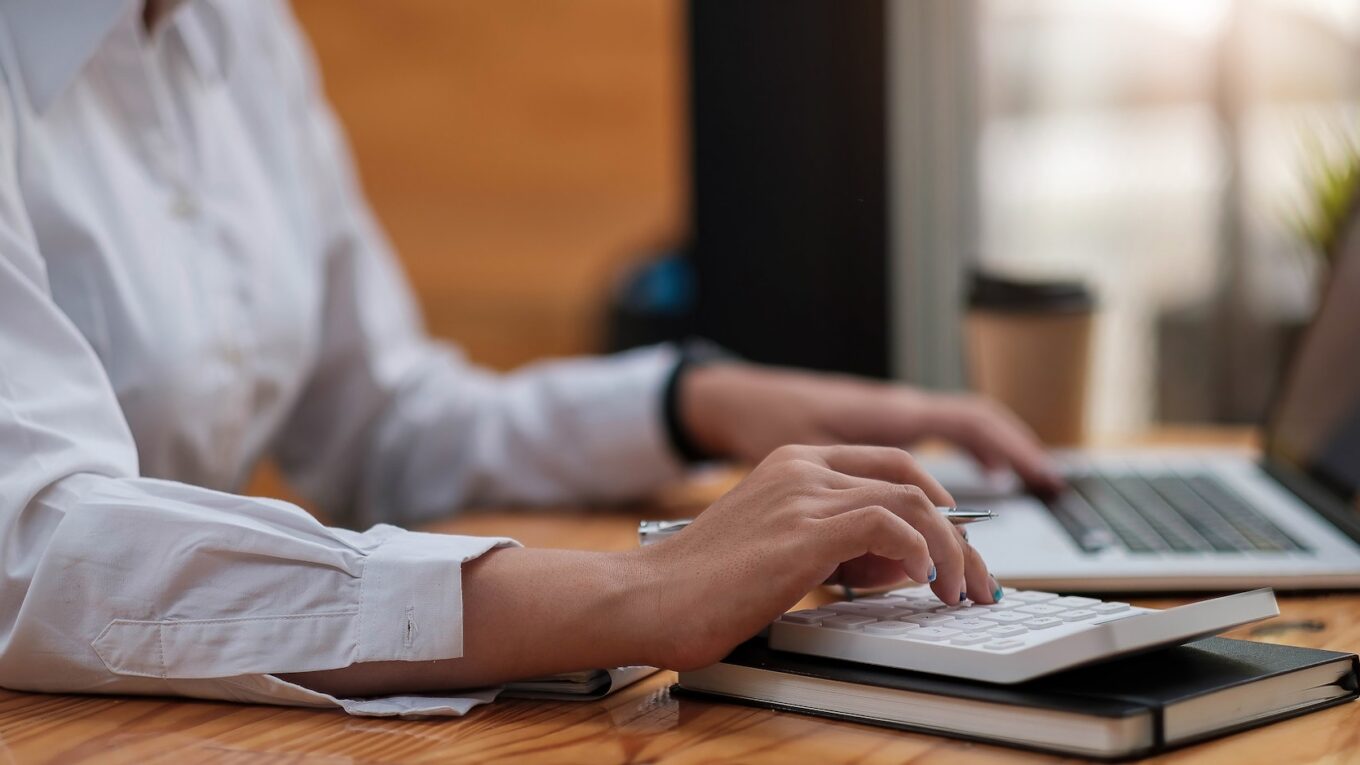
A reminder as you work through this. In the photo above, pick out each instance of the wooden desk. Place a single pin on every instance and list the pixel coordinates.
(644, 723)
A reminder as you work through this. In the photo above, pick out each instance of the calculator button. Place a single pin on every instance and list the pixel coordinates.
(883, 600)
(1000, 605)
(1076, 614)
(922, 605)
(931, 634)
(1031, 596)
(810, 616)
(889, 628)
(1072, 601)
(1110, 608)
(1008, 630)
(1106, 618)
(1041, 623)
(847, 622)
(846, 607)
(970, 638)
(1002, 645)
(926, 620)
(972, 625)
(1041, 610)
(887, 612)
(1006, 617)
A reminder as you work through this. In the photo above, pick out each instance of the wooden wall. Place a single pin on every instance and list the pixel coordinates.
(516, 150)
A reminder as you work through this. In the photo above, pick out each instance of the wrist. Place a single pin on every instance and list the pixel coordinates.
(704, 396)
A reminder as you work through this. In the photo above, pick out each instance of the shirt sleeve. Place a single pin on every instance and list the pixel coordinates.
(396, 427)
(115, 583)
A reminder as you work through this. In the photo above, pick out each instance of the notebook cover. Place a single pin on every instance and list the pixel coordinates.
(1146, 683)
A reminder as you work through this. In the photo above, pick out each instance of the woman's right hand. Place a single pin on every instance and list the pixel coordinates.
(860, 515)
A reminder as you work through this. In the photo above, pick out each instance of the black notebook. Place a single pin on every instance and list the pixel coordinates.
(1126, 708)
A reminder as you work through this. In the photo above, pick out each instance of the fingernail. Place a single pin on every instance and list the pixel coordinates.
(930, 577)
(996, 589)
(963, 596)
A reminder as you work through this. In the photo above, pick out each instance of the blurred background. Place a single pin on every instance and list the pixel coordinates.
(812, 181)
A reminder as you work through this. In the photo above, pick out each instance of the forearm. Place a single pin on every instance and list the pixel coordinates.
(527, 613)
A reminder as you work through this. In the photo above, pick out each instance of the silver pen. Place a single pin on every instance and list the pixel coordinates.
(651, 532)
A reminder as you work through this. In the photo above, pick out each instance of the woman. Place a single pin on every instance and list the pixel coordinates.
(190, 281)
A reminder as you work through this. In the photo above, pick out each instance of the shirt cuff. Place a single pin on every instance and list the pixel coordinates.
(411, 601)
(626, 435)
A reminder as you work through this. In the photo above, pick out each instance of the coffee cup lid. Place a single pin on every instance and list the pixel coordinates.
(997, 293)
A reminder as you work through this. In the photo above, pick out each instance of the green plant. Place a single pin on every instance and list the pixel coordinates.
(1333, 191)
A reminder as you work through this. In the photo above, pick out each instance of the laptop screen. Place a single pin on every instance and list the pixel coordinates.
(1316, 423)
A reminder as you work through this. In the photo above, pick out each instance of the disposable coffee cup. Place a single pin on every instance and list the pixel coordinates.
(1029, 347)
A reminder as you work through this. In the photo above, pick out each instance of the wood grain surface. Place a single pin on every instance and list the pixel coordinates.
(642, 724)
(519, 154)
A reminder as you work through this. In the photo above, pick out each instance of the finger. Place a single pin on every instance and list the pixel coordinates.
(870, 572)
(883, 463)
(875, 530)
(980, 586)
(1026, 454)
(911, 504)
(996, 437)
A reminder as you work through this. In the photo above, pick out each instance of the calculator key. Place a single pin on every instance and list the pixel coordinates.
(889, 628)
(1072, 601)
(1114, 617)
(1110, 608)
(1040, 623)
(927, 620)
(1076, 614)
(887, 612)
(847, 607)
(883, 600)
(1031, 596)
(1008, 630)
(849, 622)
(931, 634)
(1006, 617)
(970, 638)
(810, 616)
(1002, 645)
(922, 605)
(1000, 605)
(1040, 610)
(972, 625)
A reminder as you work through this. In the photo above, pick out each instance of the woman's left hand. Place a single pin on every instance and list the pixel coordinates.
(744, 412)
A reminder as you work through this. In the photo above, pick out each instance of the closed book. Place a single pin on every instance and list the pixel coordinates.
(1130, 707)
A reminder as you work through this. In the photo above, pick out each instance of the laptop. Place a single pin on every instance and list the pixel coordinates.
(1169, 520)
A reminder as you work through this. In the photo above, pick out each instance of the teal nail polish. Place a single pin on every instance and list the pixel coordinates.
(931, 576)
(996, 589)
(963, 596)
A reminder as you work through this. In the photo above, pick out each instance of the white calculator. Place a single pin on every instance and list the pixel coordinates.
(1026, 635)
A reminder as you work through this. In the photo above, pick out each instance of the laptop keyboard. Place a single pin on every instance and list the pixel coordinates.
(1159, 512)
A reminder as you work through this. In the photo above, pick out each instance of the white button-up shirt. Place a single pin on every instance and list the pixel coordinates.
(190, 280)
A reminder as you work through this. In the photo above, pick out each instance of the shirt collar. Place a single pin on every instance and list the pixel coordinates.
(53, 40)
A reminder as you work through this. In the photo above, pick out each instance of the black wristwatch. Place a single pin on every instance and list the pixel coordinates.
(694, 353)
